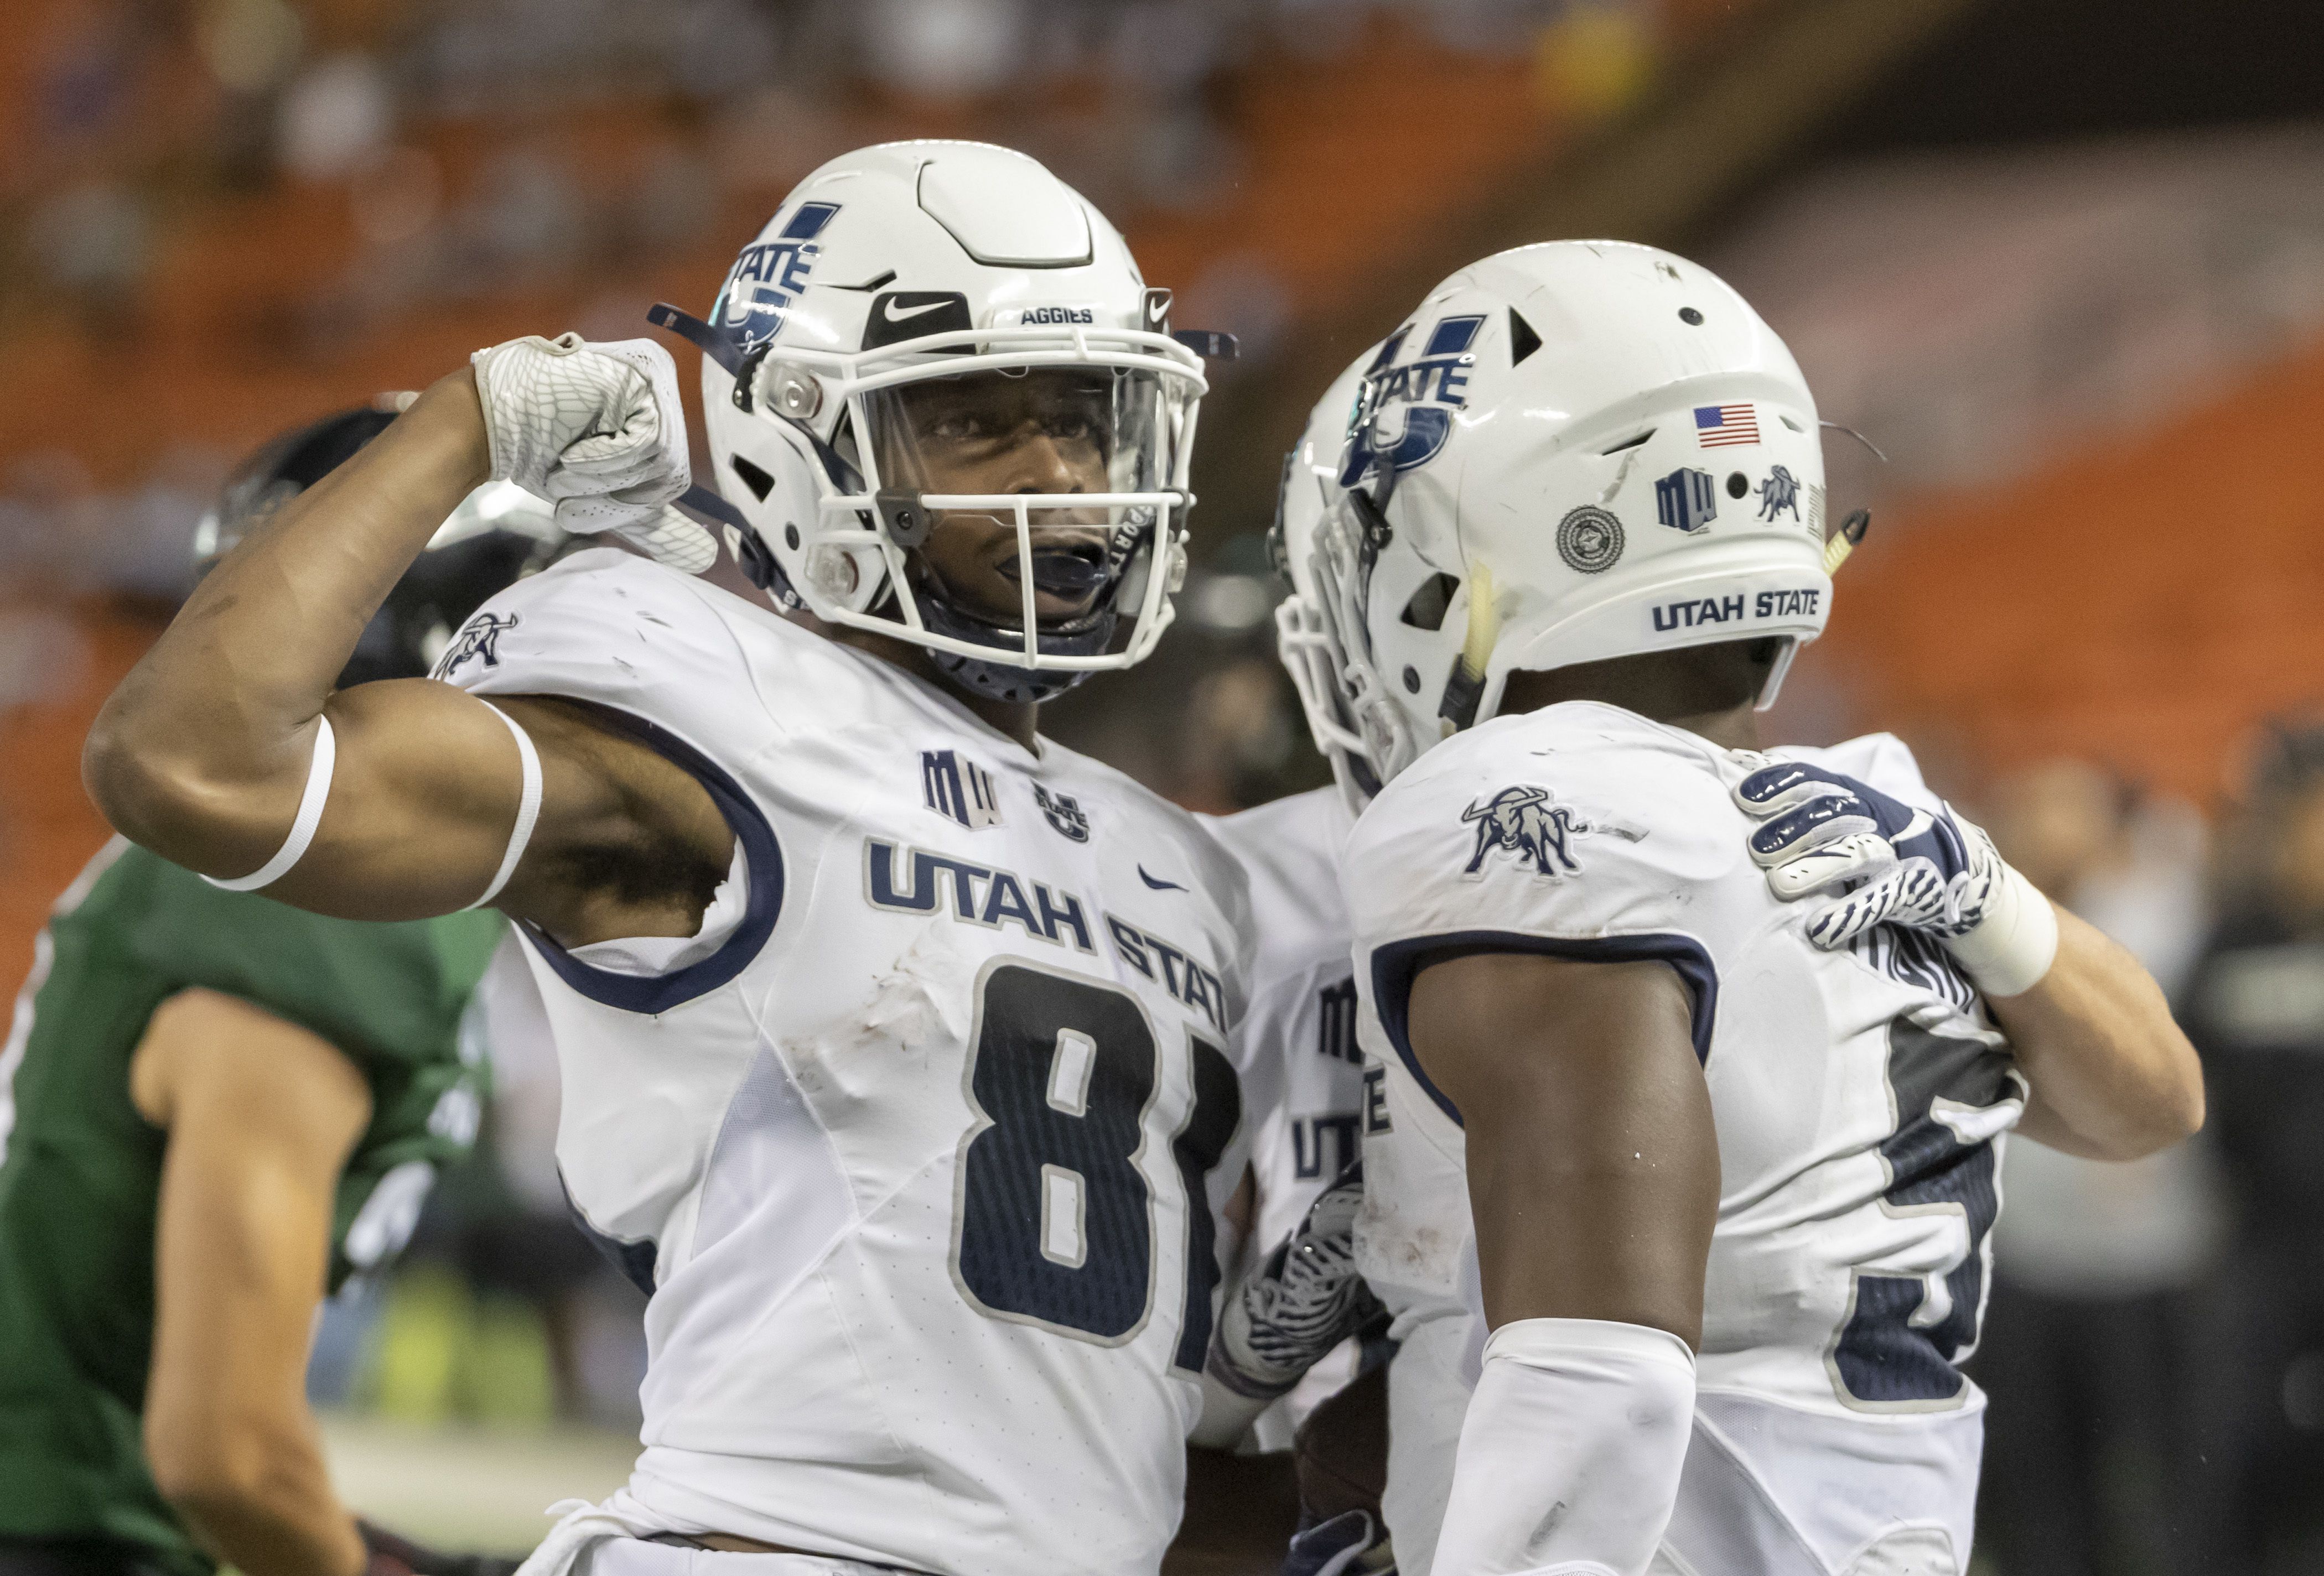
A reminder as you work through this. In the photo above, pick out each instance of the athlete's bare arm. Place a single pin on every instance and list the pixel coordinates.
(260, 1116)
(202, 754)
(1593, 1165)
(2113, 1075)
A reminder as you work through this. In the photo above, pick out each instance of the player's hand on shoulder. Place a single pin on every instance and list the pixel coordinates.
(1867, 858)
(595, 428)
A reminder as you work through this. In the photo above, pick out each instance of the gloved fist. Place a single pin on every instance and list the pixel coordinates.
(1876, 860)
(1305, 1301)
(598, 430)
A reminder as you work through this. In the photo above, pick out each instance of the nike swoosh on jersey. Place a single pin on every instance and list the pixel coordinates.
(898, 314)
(1159, 886)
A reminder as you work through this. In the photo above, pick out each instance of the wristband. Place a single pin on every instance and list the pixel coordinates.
(2013, 946)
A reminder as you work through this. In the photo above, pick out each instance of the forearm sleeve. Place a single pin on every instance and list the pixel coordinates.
(1571, 1452)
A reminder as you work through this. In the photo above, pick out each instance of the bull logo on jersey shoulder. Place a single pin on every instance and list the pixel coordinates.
(479, 637)
(1430, 387)
(1525, 823)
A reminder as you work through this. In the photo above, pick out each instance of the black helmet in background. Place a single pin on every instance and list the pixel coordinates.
(499, 534)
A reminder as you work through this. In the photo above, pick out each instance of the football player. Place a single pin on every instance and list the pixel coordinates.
(1287, 1342)
(893, 1036)
(213, 1110)
(1698, 1056)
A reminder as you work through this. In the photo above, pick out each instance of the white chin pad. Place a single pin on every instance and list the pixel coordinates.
(1858, 856)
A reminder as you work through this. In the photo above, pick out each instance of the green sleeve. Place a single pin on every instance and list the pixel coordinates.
(395, 999)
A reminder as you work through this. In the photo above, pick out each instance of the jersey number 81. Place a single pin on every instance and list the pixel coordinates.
(1053, 1220)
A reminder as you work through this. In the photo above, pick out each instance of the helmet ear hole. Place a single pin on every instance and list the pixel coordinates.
(756, 479)
(1430, 601)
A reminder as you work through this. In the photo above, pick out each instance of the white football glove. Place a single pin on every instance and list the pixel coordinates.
(598, 430)
(1301, 1303)
(1877, 861)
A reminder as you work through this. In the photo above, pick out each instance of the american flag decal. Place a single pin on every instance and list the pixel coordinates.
(1725, 426)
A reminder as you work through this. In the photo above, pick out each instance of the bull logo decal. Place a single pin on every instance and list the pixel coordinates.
(1522, 821)
(1781, 491)
(479, 637)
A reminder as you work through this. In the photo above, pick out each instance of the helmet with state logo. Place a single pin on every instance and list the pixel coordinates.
(932, 332)
(1572, 451)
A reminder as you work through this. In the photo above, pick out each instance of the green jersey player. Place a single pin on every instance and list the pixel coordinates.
(214, 1108)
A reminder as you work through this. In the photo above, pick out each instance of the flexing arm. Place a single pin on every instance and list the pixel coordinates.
(1593, 1182)
(204, 752)
(260, 1116)
(2113, 1075)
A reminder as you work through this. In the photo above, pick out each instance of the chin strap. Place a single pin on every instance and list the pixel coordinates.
(758, 564)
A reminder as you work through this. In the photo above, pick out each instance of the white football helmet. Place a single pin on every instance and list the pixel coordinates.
(1573, 451)
(973, 270)
(1311, 491)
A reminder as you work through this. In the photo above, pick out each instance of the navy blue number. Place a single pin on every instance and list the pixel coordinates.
(1210, 1127)
(1056, 1224)
(1881, 1358)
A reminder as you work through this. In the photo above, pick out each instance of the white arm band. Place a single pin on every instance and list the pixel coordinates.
(528, 807)
(302, 825)
(2014, 944)
(1571, 1452)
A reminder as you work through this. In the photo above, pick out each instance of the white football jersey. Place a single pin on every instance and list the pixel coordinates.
(1859, 1096)
(919, 1152)
(1307, 1084)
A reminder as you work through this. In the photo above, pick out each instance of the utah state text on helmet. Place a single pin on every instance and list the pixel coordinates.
(1572, 451)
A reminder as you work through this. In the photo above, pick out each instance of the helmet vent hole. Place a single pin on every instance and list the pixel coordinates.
(1690, 317)
(1426, 609)
(1737, 484)
(1523, 340)
(1629, 442)
(759, 483)
(1412, 679)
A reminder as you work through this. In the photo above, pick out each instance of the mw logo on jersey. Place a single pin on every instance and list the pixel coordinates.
(956, 786)
(479, 637)
(1335, 1022)
(1526, 823)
